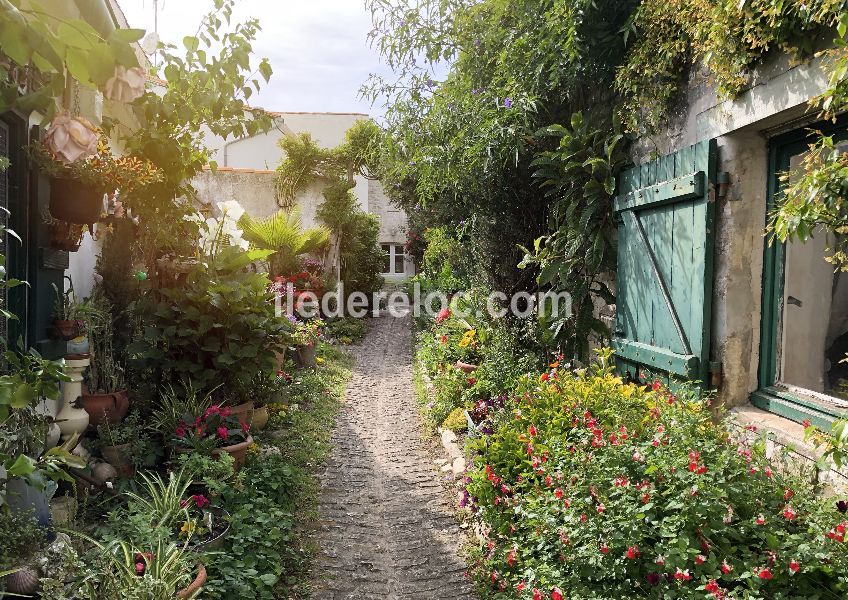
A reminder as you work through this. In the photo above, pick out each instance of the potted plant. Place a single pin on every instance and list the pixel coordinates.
(214, 431)
(63, 235)
(106, 398)
(78, 188)
(122, 444)
(306, 336)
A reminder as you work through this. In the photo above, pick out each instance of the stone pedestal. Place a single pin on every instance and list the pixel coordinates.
(73, 420)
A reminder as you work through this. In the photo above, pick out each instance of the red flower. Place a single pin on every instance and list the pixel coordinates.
(656, 385)
(712, 587)
(226, 411)
(794, 566)
(725, 568)
(200, 500)
(604, 548)
(223, 433)
(180, 431)
(700, 559)
(558, 494)
(556, 594)
(633, 552)
(760, 520)
(682, 575)
(443, 339)
(245, 426)
(789, 513)
(765, 574)
(532, 431)
(537, 594)
(444, 314)
(139, 568)
(545, 377)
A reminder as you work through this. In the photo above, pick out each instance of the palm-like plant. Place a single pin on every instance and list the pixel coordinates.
(283, 233)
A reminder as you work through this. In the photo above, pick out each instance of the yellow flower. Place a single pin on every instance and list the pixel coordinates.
(253, 448)
(467, 338)
(187, 529)
(319, 360)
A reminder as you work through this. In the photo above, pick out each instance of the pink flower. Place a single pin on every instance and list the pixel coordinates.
(139, 568)
(223, 433)
(126, 84)
(537, 594)
(180, 431)
(245, 426)
(71, 138)
(443, 315)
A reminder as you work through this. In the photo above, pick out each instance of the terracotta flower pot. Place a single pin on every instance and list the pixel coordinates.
(465, 367)
(106, 407)
(237, 451)
(308, 355)
(195, 586)
(260, 418)
(66, 330)
(75, 202)
(66, 236)
(118, 457)
(243, 412)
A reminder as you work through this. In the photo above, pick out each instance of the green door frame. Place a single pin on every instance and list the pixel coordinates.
(768, 396)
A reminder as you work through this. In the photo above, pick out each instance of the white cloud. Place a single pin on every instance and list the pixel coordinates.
(318, 48)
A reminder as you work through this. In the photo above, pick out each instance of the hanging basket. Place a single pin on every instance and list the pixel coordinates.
(66, 236)
(75, 202)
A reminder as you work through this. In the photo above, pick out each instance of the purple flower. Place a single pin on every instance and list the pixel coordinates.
(474, 92)
(508, 102)
(464, 501)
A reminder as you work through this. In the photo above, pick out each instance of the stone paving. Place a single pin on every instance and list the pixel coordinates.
(386, 525)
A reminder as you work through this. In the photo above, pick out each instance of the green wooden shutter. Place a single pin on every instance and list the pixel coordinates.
(665, 214)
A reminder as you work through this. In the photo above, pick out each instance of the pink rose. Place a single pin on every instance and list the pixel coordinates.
(71, 138)
(126, 84)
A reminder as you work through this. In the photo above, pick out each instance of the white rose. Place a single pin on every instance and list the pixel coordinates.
(71, 138)
(126, 84)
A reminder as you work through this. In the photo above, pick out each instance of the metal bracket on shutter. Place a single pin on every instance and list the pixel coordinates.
(678, 189)
(685, 365)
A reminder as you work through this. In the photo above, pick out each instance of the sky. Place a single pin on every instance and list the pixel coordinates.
(318, 49)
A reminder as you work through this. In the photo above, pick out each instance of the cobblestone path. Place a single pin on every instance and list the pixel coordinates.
(386, 529)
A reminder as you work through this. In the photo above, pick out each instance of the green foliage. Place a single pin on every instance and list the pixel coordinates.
(304, 163)
(347, 330)
(46, 53)
(609, 490)
(814, 200)
(282, 233)
(578, 256)
(174, 403)
(728, 36)
(143, 448)
(218, 331)
(360, 254)
(20, 537)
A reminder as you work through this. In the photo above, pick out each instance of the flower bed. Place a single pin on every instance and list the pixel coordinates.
(592, 488)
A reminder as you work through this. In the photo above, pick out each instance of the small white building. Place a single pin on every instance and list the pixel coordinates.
(246, 173)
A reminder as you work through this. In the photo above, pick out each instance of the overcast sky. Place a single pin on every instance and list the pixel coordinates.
(317, 48)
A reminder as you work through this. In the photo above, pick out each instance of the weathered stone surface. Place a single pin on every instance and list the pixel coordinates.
(387, 529)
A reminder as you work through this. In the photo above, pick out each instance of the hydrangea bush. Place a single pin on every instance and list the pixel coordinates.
(590, 487)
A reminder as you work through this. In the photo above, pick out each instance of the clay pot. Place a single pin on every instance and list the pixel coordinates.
(75, 202)
(118, 457)
(195, 586)
(465, 367)
(243, 412)
(260, 418)
(217, 542)
(106, 407)
(237, 451)
(66, 330)
(308, 355)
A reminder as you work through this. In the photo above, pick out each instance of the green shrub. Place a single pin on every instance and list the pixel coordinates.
(592, 488)
(456, 421)
(217, 331)
(20, 536)
(347, 330)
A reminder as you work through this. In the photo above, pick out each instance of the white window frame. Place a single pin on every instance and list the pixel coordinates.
(394, 251)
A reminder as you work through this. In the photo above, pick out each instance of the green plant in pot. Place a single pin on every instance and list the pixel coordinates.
(107, 398)
(77, 189)
(219, 330)
(214, 431)
(125, 445)
(305, 337)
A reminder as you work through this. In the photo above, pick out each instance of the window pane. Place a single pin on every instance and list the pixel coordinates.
(399, 259)
(387, 262)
